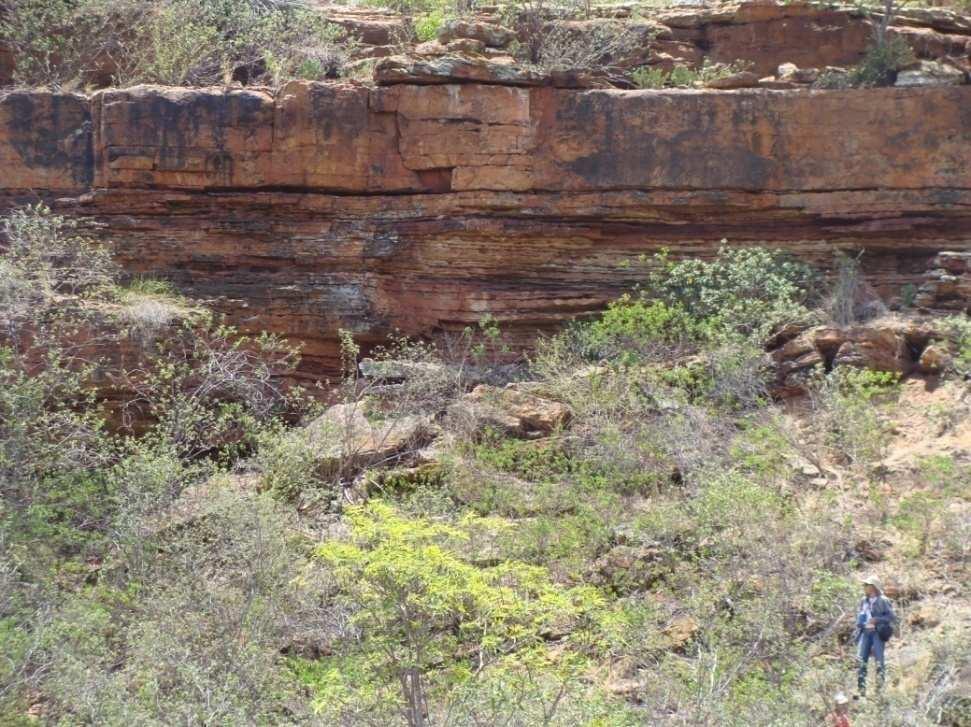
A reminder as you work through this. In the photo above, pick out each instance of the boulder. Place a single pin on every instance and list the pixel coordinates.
(430, 48)
(680, 632)
(345, 440)
(777, 84)
(493, 36)
(790, 72)
(454, 69)
(926, 616)
(512, 411)
(931, 73)
(935, 358)
(947, 285)
(465, 46)
(368, 26)
(744, 79)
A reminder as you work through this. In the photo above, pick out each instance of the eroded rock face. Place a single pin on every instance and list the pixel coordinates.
(948, 283)
(896, 345)
(422, 207)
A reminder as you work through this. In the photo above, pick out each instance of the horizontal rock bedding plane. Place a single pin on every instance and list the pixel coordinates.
(420, 207)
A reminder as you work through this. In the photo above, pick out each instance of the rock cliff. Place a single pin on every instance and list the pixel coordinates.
(422, 207)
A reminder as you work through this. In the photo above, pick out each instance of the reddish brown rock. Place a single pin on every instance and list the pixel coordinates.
(45, 142)
(935, 358)
(947, 285)
(744, 79)
(767, 34)
(423, 207)
(873, 348)
(7, 66)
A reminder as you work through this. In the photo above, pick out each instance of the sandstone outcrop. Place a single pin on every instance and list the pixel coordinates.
(345, 441)
(896, 345)
(511, 411)
(947, 285)
(422, 207)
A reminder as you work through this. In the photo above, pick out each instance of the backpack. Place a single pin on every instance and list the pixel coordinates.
(885, 631)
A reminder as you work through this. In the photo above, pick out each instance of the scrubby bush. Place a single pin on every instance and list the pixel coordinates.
(46, 255)
(103, 627)
(959, 327)
(199, 643)
(288, 463)
(846, 412)
(176, 42)
(637, 329)
(851, 300)
(560, 47)
(684, 76)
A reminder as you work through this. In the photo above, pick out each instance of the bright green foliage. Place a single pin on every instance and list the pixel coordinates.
(634, 329)
(428, 25)
(534, 461)
(418, 603)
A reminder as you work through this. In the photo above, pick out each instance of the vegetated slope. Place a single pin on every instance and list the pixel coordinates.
(624, 529)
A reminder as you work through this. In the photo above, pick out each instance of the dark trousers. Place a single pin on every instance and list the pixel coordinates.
(870, 645)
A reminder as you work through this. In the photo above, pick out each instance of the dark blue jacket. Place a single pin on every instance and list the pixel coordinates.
(881, 611)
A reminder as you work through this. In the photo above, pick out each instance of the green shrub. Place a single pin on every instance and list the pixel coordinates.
(749, 290)
(197, 640)
(288, 461)
(879, 67)
(46, 255)
(634, 329)
(557, 46)
(427, 26)
(684, 76)
(881, 63)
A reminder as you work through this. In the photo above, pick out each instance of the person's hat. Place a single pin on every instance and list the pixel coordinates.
(873, 581)
(841, 698)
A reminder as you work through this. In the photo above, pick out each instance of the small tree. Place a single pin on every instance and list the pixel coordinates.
(419, 604)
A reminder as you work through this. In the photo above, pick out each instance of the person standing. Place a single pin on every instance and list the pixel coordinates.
(840, 716)
(874, 627)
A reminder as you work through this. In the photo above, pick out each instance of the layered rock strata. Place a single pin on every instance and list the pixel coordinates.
(423, 207)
